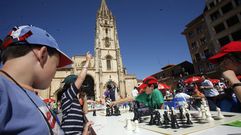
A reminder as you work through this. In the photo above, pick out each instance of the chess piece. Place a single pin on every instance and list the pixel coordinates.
(167, 108)
(151, 122)
(220, 115)
(94, 113)
(129, 125)
(208, 115)
(181, 113)
(137, 126)
(165, 119)
(126, 123)
(189, 122)
(199, 113)
(111, 111)
(203, 114)
(174, 124)
(157, 118)
(116, 111)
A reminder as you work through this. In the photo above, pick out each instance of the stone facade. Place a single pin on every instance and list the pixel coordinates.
(216, 26)
(106, 65)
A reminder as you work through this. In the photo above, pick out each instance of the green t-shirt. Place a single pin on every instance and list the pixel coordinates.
(154, 100)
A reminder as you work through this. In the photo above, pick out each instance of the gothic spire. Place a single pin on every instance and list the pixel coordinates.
(104, 11)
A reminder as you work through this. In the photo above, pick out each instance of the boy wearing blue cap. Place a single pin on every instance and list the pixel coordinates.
(30, 57)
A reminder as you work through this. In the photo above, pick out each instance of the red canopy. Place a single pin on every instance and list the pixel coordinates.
(48, 100)
(193, 79)
(239, 77)
(214, 81)
(163, 86)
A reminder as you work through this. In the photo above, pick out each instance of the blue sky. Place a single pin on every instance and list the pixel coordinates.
(149, 30)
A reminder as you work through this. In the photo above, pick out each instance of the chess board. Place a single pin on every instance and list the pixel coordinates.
(198, 123)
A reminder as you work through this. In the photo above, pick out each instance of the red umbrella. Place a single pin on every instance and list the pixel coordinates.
(163, 86)
(193, 79)
(214, 81)
(48, 100)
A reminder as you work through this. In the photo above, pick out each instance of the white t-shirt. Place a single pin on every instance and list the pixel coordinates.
(182, 95)
(211, 92)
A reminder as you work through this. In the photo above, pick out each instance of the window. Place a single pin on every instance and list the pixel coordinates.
(108, 62)
(106, 31)
(232, 21)
(203, 41)
(211, 5)
(207, 53)
(238, 2)
(200, 29)
(220, 27)
(214, 16)
(226, 8)
(107, 42)
(190, 34)
(224, 40)
(236, 35)
(198, 58)
(194, 45)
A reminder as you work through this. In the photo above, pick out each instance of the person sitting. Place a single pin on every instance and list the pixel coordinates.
(150, 96)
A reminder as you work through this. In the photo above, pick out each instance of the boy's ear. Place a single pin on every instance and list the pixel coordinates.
(43, 55)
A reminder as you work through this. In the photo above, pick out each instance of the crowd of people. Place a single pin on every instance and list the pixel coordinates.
(30, 57)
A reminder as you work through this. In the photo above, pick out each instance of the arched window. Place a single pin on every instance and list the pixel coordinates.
(108, 62)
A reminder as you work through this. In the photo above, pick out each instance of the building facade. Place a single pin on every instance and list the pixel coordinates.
(219, 24)
(170, 74)
(106, 66)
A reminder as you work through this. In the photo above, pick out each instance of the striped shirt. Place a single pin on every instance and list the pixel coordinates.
(73, 120)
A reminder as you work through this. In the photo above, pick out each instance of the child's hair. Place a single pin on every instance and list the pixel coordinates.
(21, 49)
(154, 85)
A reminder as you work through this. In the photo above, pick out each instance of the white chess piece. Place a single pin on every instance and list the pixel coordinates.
(220, 115)
(129, 125)
(126, 123)
(209, 116)
(199, 112)
(167, 108)
(137, 126)
(203, 112)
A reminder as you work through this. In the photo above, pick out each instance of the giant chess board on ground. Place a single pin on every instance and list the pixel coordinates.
(198, 123)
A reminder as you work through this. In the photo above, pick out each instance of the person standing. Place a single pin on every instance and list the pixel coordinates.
(73, 115)
(210, 93)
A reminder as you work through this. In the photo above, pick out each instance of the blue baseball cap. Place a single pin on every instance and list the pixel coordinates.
(37, 36)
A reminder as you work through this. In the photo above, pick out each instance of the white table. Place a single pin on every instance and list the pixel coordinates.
(114, 125)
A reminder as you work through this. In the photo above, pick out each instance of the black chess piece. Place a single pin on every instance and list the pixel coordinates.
(116, 111)
(189, 122)
(151, 122)
(166, 119)
(111, 111)
(157, 118)
(174, 123)
(108, 111)
(181, 116)
(94, 113)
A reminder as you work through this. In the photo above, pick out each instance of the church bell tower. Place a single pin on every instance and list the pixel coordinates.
(108, 61)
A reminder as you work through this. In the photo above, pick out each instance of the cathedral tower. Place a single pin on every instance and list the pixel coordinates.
(108, 61)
